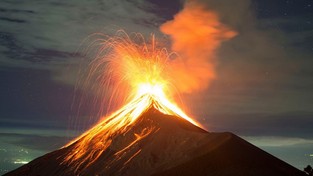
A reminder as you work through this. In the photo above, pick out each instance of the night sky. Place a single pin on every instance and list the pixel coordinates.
(263, 90)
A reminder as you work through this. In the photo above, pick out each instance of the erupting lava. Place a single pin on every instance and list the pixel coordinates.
(148, 76)
(143, 70)
(140, 70)
(150, 135)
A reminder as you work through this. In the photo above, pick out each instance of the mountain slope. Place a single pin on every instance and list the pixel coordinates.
(159, 144)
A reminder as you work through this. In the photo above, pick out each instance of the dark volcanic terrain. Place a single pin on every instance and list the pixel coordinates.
(158, 144)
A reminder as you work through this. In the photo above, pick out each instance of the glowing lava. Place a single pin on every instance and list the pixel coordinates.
(142, 71)
(96, 140)
(139, 71)
(136, 70)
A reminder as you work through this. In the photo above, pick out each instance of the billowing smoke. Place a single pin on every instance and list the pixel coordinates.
(196, 34)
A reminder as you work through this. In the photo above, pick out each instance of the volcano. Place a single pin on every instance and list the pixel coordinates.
(156, 144)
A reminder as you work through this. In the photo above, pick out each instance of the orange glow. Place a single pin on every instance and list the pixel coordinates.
(89, 146)
(143, 72)
(196, 34)
(147, 75)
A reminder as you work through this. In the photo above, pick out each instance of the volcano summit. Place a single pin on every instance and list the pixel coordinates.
(151, 135)
(155, 143)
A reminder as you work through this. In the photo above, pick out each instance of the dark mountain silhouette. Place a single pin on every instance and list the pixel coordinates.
(158, 144)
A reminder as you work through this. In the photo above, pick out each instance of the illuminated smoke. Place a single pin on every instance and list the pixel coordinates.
(196, 34)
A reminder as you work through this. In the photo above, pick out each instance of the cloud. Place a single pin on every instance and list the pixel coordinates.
(33, 137)
(25, 145)
(62, 26)
(49, 35)
(277, 141)
(34, 142)
(293, 150)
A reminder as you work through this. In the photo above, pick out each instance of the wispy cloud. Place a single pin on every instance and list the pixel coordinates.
(48, 35)
(34, 142)
(277, 141)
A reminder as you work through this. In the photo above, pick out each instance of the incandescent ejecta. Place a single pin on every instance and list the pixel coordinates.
(150, 134)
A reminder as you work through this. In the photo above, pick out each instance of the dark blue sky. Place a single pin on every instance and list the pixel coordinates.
(263, 90)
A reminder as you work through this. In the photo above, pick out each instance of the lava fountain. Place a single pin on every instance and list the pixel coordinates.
(143, 71)
(150, 134)
(148, 75)
(127, 66)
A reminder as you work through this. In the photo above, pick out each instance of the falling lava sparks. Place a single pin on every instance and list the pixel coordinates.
(143, 70)
(147, 76)
(139, 71)
(150, 134)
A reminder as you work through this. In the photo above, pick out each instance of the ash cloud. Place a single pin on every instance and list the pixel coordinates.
(262, 70)
(196, 34)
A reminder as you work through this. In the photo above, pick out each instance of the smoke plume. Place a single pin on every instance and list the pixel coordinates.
(196, 34)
